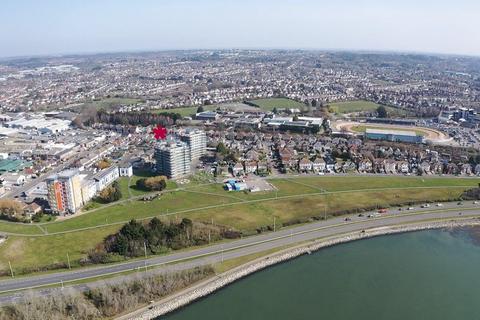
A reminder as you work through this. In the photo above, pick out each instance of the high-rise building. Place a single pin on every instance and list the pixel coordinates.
(65, 192)
(196, 140)
(173, 159)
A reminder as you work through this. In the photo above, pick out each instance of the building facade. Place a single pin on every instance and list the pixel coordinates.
(106, 177)
(196, 141)
(64, 192)
(173, 159)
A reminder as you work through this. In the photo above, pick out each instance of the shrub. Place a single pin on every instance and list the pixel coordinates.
(157, 183)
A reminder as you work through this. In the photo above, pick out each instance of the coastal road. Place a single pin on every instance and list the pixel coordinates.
(241, 247)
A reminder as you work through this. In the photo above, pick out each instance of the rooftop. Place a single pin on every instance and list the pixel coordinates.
(391, 132)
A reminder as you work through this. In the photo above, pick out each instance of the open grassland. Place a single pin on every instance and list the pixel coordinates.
(353, 106)
(32, 254)
(362, 106)
(296, 200)
(279, 103)
(108, 103)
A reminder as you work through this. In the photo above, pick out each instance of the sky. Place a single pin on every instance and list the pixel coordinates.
(45, 27)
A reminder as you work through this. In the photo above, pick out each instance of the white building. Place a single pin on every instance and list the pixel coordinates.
(106, 177)
(196, 141)
(125, 169)
(173, 159)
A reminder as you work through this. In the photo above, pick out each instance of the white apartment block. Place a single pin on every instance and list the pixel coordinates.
(64, 192)
(196, 141)
(173, 159)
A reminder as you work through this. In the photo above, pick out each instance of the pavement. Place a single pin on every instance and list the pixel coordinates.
(237, 248)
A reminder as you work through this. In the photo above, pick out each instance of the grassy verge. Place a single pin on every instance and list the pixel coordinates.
(298, 200)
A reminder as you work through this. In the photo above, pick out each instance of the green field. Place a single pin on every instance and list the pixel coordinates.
(186, 111)
(297, 200)
(108, 103)
(361, 106)
(279, 103)
(363, 128)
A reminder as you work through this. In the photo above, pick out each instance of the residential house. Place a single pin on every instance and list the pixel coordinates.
(250, 167)
(319, 165)
(237, 169)
(305, 165)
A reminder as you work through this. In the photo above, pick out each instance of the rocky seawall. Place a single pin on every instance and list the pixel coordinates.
(206, 287)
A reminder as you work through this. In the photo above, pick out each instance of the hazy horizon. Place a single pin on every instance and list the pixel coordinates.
(54, 27)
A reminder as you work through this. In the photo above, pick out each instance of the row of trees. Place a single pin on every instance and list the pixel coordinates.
(155, 237)
(134, 237)
(91, 117)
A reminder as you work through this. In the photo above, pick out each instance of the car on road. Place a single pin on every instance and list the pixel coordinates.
(410, 208)
(475, 202)
(426, 205)
(460, 203)
(439, 204)
(360, 215)
(348, 219)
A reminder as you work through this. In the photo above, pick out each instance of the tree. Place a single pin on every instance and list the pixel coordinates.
(111, 193)
(157, 183)
(200, 109)
(382, 112)
(103, 164)
(10, 209)
(295, 118)
(221, 148)
(274, 110)
(326, 124)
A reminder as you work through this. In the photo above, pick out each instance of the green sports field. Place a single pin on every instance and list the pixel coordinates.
(361, 106)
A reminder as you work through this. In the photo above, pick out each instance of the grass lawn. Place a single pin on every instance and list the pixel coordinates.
(108, 103)
(353, 106)
(363, 128)
(186, 111)
(298, 199)
(25, 252)
(279, 103)
(362, 105)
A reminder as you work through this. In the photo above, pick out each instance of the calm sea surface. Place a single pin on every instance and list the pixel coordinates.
(421, 275)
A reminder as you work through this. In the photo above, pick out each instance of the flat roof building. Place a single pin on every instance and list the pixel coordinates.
(393, 135)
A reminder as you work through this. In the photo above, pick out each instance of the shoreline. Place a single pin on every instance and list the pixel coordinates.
(209, 286)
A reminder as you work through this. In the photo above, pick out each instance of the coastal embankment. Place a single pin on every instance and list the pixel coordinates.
(206, 287)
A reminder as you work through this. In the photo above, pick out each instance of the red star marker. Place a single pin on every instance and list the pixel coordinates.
(160, 132)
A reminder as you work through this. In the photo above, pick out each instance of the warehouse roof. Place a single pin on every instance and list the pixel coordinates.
(391, 132)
